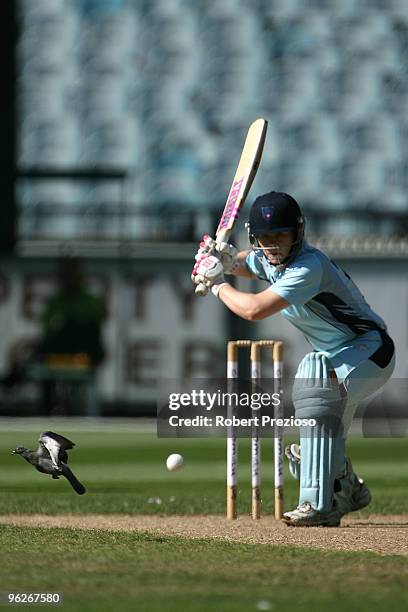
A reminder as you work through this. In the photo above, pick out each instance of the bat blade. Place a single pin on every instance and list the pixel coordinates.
(244, 176)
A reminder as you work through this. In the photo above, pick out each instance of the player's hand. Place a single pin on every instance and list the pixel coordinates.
(209, 273)
(228, 256)
(226, 253)
(205, 249)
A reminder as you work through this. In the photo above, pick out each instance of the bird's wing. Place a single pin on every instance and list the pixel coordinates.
(63, 456)
(62, 440)
(52, 446)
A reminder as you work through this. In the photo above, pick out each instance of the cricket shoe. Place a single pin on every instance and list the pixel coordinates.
(350, 492)
(306, 516)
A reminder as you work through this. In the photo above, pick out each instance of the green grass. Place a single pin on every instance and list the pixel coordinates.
(125, 472)
(126, 571)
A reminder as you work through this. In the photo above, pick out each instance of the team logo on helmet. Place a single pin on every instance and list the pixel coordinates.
(267, 212)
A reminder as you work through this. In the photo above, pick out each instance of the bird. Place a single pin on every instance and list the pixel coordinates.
(51, 457)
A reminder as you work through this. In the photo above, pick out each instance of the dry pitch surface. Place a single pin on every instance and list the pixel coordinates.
(385, 535)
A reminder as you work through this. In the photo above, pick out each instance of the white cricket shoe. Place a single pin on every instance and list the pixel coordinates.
(306, 516)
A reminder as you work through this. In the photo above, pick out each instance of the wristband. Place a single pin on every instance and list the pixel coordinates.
(216, 288)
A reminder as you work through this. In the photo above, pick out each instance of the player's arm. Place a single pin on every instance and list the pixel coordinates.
(240, 267)
(251, 306)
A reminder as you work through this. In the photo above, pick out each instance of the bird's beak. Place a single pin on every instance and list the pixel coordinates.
(13, 452)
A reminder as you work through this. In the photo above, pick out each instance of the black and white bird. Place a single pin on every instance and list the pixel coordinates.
(51, 457)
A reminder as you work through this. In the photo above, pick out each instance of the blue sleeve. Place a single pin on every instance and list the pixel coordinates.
(255, 266)
(299, 284)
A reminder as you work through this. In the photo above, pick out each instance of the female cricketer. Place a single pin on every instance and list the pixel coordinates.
(349, 342)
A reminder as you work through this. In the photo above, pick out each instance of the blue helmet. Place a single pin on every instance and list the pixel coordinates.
(276, 212)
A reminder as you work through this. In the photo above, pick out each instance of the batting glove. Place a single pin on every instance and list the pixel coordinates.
(226, 252)
(210, 273)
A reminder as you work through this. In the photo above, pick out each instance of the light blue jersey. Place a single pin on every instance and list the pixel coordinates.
(325, 304)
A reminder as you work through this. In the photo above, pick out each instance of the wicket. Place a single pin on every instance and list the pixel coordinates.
(232, 443)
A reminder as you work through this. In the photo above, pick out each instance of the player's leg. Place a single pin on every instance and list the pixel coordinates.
(367, 366)
(364, 366)
(318, 396)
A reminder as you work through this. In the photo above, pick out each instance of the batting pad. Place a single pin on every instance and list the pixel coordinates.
(316, 395)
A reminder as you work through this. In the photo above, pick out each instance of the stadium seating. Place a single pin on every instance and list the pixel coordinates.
(165, 89)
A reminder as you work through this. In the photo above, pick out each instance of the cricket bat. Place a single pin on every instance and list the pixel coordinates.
(243, 179)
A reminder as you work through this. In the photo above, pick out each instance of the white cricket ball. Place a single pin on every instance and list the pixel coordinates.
(174, 462)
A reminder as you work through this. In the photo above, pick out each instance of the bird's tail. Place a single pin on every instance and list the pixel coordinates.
(73, 481)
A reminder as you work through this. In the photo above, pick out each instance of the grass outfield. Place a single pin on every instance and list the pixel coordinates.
(104, 571)
(125, 472)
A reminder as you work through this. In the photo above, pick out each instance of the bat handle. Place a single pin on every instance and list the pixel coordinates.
(201, 290)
